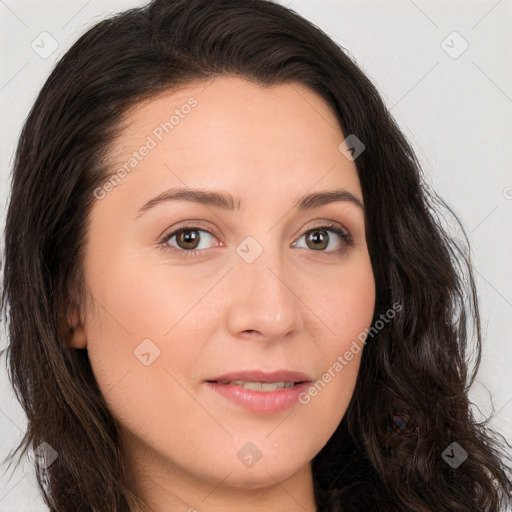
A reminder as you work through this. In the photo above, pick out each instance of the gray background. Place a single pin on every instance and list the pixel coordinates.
(453, 104)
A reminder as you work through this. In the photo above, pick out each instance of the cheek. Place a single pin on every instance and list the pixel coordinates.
(349, 306)
(143, 339)
(134, 302)
(350, 302)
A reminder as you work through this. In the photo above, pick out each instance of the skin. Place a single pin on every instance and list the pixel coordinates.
(294, 307)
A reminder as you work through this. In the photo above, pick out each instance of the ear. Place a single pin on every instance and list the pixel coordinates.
(75, 333)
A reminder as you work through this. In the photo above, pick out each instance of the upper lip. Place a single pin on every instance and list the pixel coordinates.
(261, 376)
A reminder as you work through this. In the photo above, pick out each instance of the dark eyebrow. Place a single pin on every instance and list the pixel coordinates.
(226, 201)
(317, 199)
(219, 199)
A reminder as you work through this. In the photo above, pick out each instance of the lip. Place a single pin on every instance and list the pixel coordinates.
(261, 376)
(262, 402)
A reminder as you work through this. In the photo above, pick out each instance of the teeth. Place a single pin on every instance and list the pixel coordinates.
(259, 386)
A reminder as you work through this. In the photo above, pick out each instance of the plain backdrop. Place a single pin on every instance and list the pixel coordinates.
(442, 67)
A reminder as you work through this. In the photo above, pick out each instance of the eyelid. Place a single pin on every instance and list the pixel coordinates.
(338, 228)
(191, 225)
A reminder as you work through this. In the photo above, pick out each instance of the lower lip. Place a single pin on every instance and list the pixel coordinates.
(260, 401)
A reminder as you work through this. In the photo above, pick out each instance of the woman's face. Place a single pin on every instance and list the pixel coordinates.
(253, 284)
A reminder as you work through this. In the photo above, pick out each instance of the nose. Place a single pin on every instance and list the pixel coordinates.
(263, 301)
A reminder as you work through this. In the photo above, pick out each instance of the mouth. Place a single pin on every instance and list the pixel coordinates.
(259, 385)
(261, 392)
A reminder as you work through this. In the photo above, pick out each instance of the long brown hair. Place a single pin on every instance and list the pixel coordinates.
(411, 398)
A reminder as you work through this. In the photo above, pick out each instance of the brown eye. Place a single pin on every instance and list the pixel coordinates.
(319, 239)
(188, 240)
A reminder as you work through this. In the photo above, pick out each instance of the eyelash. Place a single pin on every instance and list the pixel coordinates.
(164, 243)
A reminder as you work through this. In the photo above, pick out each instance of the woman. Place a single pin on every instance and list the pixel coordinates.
(260, 371)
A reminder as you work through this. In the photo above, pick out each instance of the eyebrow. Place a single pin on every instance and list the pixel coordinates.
(226, 201)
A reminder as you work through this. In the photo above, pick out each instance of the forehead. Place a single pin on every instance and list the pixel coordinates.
(232, 128)
(229, 104)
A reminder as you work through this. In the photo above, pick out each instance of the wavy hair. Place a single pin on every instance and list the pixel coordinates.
(411, 397)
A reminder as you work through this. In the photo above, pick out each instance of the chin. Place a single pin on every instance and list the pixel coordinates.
(260, 476)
